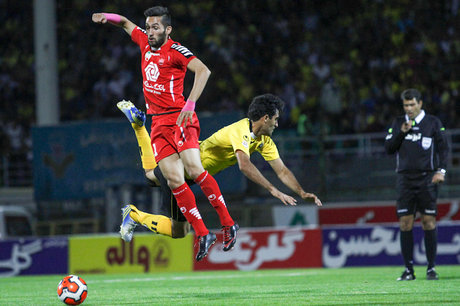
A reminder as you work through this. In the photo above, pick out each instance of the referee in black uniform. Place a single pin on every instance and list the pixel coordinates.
(421, 148)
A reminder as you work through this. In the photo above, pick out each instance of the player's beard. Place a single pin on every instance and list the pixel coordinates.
(158, 42)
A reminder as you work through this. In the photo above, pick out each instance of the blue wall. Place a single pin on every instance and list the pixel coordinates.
(80, 160)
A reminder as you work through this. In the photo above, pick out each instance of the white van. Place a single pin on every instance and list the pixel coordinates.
(15, 221)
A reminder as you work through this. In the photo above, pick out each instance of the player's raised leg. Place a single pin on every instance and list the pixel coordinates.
(172, 168)
(192, 163)
(137, 119)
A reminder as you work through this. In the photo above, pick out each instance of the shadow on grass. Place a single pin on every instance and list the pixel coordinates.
(441, 278)
(248, 295)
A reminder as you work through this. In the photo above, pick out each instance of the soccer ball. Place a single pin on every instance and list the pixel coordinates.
(72, 290)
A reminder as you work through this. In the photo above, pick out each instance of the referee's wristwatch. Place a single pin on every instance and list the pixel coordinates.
(442, 171)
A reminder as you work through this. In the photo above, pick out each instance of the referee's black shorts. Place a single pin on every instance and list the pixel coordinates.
(168, 202)
(416, 193)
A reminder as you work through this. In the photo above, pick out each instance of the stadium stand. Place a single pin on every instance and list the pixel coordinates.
(339, 67)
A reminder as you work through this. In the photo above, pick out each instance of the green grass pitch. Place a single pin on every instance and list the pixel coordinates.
(346, 286)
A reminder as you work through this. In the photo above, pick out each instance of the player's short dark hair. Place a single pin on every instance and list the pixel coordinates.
(159, 11)
(410, 94)
(266, 104)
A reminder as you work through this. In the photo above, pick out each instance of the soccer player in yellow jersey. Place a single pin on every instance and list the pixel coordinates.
(230, 145)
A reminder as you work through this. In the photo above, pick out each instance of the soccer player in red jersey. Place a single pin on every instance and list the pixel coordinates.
(175, 127)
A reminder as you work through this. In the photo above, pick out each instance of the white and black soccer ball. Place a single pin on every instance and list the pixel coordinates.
(72, 290)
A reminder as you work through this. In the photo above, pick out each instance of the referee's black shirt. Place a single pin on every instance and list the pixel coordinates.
(423, 148)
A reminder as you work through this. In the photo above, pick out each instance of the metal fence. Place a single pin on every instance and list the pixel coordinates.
(337, 167)
(15, 170)
(353, 167)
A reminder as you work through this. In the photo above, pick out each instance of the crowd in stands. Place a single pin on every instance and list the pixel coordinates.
(340, 66)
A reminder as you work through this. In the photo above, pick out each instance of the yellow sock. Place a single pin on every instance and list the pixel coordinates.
(156, 223)
(145, 148)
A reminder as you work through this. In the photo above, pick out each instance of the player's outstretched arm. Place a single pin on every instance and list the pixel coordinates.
(288, 179)
(115, 19)
(252, 173)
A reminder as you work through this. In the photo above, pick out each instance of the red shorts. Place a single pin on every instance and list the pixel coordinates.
(168, 138)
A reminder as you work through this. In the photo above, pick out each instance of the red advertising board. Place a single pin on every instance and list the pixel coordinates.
(357, 214)
(266, 249)
(378, 214)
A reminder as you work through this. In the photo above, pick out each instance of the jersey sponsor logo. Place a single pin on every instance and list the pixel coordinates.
(426, 142)
(183, 50)
(156, 88)
(414, 137)
(160, 87)
(152, 72)
(194, 212)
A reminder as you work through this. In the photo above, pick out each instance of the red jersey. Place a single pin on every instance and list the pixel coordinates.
(163, 73)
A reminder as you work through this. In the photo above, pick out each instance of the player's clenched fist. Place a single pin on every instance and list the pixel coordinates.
(99, 18)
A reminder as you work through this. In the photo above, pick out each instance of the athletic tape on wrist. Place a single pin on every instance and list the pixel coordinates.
(189, 106)
(115, 18)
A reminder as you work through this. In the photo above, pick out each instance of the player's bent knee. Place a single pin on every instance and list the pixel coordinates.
(406, 223)
(404, 226)
(175, 183)
(179, 234)
(194, 174)
(428, 227)
(152, 180)
(428, 223)
(194, 170)
(152, 183)
(179, 229)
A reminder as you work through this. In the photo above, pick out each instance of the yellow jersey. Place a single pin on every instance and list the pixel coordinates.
(218, 151)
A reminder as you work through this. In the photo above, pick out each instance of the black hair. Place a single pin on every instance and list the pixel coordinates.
(410, 94)
(159, 11)
(266, 104)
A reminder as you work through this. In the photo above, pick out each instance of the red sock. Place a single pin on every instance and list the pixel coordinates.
(186, 202)
(210, 188)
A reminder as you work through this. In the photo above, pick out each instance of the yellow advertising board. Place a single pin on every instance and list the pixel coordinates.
(145, 253)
